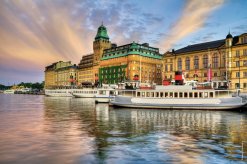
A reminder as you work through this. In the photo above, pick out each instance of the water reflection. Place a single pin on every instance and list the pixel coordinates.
(39, 129)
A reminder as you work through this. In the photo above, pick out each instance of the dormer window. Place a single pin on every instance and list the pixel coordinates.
(244, 39)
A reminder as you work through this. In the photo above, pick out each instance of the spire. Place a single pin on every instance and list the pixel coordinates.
(229, 35)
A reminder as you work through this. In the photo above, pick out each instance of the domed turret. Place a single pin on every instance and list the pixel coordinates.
(229, 36)
(229, 39)
(102, 33)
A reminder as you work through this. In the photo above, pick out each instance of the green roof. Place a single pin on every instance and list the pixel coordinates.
(131, 49)
(102, 33)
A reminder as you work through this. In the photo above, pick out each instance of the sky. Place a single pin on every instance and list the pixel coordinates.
(37, 33)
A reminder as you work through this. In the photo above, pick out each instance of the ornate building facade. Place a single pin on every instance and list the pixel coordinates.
(131, 62)
(85, 69)
(60, 74)
(221, 61)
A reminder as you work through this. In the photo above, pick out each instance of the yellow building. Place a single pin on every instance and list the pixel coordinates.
(138, 62)
(85, 69)
(226, 58)
(60, 74)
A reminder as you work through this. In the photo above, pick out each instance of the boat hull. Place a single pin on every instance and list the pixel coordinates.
(58, 92)
(84, 95)
(220, 104)
(103, 99)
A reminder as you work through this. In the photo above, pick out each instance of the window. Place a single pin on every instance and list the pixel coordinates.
(205, 74)
(215, 74)
(215, 60)
(179, 64)
(205, 61)
(171, 68)
(237, 74)
(166, 67)
(244, 39)
(196, 62)
(223, 63)
(245, 63)
(237, 64)
(245, 74)
(187, 63)
(245, 85)
(245, 52)
(237, 53)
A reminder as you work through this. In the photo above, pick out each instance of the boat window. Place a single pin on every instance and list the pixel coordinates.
(191, 94)
(166, 94)
(152, 94)
(211, 94)
(200, 94)
(205, 94)
(161, 94)
(148, 94)
(195, 94)
(180, 94)
(185, 94)
(143, 94)
(138, 94)
(171, 94)
(175, 94)
(157, 94)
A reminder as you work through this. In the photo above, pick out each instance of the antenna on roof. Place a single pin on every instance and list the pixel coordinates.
(102, 23)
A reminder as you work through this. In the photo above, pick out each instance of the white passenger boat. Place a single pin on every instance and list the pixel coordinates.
(100, 94)
(59, 92)
(177, 97)
(9, 91)
(104, 95)
(85, 92)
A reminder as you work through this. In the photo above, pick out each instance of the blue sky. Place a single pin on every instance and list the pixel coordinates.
(36, 33)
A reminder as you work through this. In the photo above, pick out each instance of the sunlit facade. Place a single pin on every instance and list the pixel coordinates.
(226, 58)
(131, 62)
(60, 74)
(85, 69)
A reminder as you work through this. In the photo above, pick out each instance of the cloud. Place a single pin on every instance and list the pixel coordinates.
(193, 17)
(37, 33)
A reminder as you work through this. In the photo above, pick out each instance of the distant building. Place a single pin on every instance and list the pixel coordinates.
(223, 60)
(60, 74)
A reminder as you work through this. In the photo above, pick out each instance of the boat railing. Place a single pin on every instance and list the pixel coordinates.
(225, 93)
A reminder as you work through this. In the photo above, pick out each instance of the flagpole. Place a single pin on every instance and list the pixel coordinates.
(140, 69)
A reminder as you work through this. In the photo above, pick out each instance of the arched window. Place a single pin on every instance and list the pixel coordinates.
(196, 62)
(187, 63)
(205, 61)
(215, 61)
(179, 64)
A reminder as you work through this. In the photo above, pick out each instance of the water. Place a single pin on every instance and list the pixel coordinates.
(39, 129)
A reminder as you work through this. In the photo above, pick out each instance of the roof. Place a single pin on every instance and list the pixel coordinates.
(102, 33)
(201, 46)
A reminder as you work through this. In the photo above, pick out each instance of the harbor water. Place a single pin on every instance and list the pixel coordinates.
(39, 129)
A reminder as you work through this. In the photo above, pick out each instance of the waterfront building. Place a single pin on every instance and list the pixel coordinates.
(101, 42)
(85, 69)
(60, 74)
(223, 61)
(50, 75)
(131, 62)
